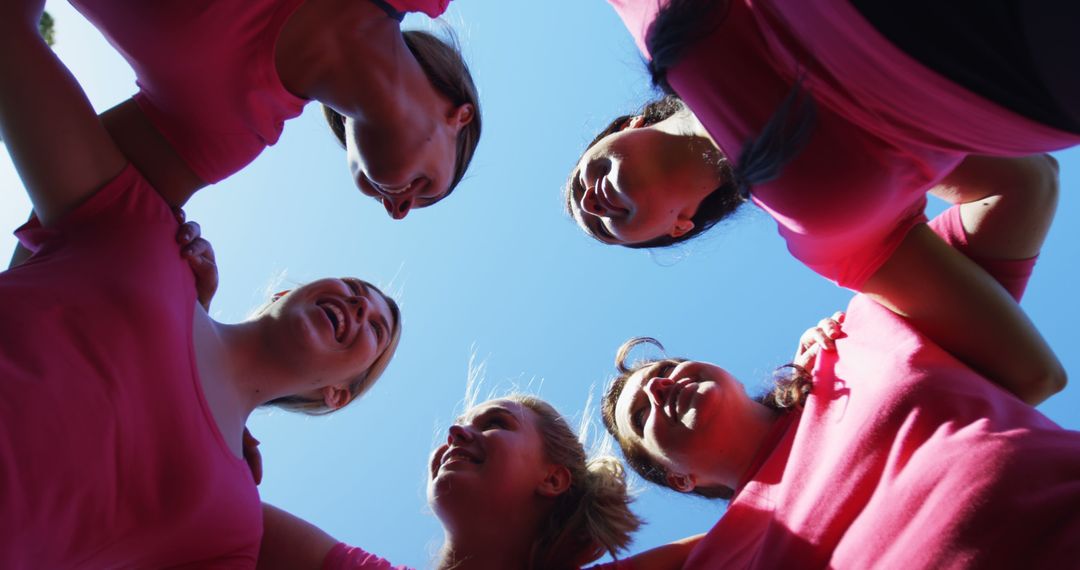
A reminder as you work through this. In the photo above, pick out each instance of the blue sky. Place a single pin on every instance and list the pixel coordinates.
(498, 273)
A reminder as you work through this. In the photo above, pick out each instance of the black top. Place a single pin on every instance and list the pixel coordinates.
(979, 44)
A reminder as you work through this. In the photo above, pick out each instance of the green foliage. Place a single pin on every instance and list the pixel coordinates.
(45, 26)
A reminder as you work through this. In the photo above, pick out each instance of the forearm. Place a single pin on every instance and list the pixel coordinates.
(960, 307)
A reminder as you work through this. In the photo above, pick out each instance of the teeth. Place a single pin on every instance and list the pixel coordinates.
(339, 331)
(394, 190)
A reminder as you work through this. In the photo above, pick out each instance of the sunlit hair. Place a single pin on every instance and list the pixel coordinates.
(445, 68)
(362, 382)
(791, 387)
(718, 205)
(593, 516)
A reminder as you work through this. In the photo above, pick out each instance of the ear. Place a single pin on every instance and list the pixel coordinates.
(682, 225)
(556, 482)
(335, 397)
(635, 122)
(461, 115)
(681, 483)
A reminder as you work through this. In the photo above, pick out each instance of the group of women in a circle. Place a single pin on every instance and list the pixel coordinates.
(903, 433)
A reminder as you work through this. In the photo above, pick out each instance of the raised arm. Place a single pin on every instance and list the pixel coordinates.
(1007, 205)
(58, 145)
(291, 543)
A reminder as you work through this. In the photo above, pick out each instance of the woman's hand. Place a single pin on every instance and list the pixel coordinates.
(200, 257)
(816, 339)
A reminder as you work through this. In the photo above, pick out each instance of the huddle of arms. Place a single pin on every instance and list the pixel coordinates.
(1007, 206)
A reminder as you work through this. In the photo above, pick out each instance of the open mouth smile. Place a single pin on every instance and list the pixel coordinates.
(338, 317)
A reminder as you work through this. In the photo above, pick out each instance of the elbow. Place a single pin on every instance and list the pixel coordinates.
(1057, 381)
(1048, 182)
(1050, 382)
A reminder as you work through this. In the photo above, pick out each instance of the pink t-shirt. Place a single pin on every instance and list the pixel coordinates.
(887, 128)
(905, 458)
(109, 456)
(206, 74)
(345, 557)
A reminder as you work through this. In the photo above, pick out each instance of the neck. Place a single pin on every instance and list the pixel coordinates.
(685, 123)
(734, 465)
(478, 553)
(240, 369)
(350, 56)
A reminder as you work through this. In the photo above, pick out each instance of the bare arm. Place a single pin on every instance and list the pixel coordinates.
(666, 557)
(151, 153)
(1007, 207)
(291, 543)
(60, 149)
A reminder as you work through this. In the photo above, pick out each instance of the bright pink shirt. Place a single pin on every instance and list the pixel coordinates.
(109, 456)
(887, 128)
(905, 458)
(206, 74)
(345, 557)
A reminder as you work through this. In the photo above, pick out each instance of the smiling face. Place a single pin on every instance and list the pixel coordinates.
(641, 183)
(685, 416)
(406, 166)
(494, 455)
(331, 331)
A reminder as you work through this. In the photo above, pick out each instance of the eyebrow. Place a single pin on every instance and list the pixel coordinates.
(381, 320)
(487, 412)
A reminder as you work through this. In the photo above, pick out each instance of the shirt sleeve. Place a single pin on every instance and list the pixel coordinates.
(125, 201)
(433, 8)
(345, 557)
(1013, 274)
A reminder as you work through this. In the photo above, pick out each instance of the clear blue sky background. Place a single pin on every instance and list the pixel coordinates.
(499, 273)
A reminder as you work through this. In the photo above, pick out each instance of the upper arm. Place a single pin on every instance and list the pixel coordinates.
(58, 145)
(1007, 204)
(666, 557)
(151, 153)
(959, 306)
(291, 543)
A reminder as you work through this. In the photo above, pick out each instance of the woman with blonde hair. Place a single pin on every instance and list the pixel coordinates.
(513, 488)
(123, 403)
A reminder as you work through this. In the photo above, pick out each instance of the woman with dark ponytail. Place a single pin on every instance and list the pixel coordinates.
(218, 80)
(875, 448)
(774, 112)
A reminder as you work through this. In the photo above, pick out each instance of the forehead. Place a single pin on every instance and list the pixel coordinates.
(501, 405)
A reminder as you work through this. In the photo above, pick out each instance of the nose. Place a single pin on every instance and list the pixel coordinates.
(458, 435)
(397, 206)
(362, 305)
(657, 389)
(591, 204)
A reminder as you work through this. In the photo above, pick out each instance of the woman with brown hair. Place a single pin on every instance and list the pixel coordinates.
(803, 109)
(218, 80)
(877, 448)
